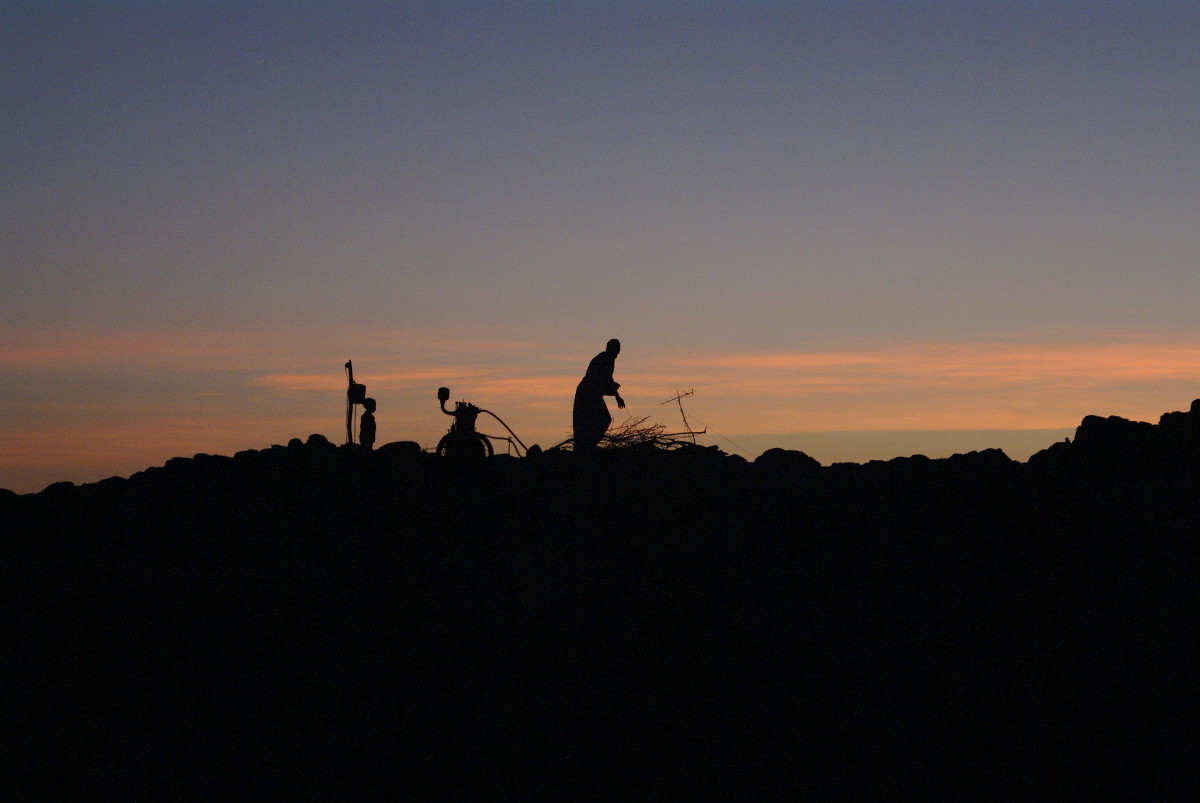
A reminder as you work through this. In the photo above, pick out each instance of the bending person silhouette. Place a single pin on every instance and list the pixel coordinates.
(590, 417)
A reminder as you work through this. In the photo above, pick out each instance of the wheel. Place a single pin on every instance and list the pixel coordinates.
(470, 446)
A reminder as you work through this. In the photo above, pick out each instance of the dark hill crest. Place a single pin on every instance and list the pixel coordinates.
(317, 617)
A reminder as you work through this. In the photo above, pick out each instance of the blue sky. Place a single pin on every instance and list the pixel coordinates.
(824, 217)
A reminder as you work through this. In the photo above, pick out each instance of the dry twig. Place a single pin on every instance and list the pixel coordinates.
(635, 432)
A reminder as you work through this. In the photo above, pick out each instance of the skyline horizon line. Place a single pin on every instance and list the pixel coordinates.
(873, 445)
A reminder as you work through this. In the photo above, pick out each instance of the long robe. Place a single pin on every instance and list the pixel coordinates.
(590, 417)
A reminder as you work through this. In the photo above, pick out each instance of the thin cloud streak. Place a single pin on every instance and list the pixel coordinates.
(966, 367)
(512, 363)
(55, 350)
(481, 380)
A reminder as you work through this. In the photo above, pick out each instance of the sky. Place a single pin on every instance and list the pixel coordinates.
(858, 229)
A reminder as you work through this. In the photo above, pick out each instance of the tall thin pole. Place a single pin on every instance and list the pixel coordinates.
(349, 403)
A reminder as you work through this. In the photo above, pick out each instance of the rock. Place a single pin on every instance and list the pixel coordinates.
(790, 460)
(986, 459)
(1056, 454)
(400, 449)
(319, 442)
(58, 488)
(1112, 433)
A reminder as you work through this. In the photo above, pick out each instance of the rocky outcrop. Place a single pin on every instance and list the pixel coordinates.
(1116, 445)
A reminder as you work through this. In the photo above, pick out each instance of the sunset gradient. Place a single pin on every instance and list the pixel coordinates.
(859, 230)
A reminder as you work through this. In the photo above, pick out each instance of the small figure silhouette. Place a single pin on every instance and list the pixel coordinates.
(590, 417)
(366, 424)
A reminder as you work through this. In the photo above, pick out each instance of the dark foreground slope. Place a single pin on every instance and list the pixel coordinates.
(313, 618)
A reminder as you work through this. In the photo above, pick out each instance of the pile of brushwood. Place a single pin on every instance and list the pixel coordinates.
(638, 433)
(657, 618)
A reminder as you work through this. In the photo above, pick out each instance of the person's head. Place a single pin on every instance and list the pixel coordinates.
(613, 347)
(369, 405)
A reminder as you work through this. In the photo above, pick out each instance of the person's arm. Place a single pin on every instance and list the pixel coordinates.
(615, 385)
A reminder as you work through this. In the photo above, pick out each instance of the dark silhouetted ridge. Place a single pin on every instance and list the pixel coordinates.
(309, 618)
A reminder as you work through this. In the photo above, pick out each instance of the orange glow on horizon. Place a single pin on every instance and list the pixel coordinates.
(211, 393)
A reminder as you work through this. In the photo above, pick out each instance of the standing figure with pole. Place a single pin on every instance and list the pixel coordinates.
(355, 394)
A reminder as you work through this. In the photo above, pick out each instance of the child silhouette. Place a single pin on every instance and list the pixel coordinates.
(366, 424)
